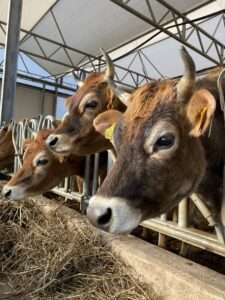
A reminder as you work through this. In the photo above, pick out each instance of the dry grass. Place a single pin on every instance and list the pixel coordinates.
(42, 259)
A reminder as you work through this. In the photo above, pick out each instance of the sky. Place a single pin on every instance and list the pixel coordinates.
(26, 64)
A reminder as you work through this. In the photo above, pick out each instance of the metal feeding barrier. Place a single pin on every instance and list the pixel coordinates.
(26, 129)
(176, 225)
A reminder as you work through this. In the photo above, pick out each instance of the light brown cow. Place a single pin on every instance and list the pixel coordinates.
(170, 143)
(76, 134)
(6, 147)
(41, 170)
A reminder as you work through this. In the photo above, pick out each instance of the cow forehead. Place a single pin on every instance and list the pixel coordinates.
(90, 84)
(148, 101)
(33, 149)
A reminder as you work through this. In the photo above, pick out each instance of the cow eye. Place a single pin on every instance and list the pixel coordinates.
(41, 162)
(164, 142)
(91, 104)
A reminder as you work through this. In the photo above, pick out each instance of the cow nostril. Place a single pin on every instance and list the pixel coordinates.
(105, 218)
(53, 141)
(8, 193)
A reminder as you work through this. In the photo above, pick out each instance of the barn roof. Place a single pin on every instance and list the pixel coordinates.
(61, 35)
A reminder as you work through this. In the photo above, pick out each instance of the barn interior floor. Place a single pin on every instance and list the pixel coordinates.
(42, 256)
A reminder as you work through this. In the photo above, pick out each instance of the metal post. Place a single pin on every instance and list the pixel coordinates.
(86, 185)
(223, 202)
(183, 222)
(162, 237)
(95, 176)
(8, 91)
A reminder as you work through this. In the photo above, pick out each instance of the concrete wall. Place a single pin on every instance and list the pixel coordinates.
(30, 102)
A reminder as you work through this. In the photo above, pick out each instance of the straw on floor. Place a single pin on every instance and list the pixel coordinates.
(40, 258)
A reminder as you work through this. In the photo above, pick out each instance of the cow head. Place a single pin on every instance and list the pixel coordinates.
(6, 146)
(41, 169)
(160, 157)
(76, 134)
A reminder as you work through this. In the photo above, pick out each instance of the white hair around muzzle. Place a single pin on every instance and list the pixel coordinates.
(113, 215)
(13, 192)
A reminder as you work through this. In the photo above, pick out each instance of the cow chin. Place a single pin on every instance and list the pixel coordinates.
(16, 192)
(113, 215)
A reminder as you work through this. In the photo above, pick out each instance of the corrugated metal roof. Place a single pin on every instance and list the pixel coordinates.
(87, 25)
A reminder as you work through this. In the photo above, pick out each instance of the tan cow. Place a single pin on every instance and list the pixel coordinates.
(6, 147)
(170, 143)
(43, 170)
(95, 95)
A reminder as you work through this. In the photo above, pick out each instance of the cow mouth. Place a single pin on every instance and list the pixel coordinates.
(62, 152)
(13, 192)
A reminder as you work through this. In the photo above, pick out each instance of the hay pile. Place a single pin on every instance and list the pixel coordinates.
(41, 259)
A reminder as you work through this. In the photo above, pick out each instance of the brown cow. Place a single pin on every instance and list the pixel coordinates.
(170, 143)
(6, 147)
(95, 95)
(41, 170)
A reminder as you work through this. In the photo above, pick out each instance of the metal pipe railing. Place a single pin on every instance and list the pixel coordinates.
(183, 222)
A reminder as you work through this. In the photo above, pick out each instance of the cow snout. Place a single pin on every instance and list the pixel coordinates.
(52, 140)
(100, 216)
(59, 143)
(114, 215)
(16, 192)
(6, 192)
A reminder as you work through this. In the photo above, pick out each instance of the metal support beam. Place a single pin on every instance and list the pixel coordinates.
(8, 91)
(88, 61)
(184, 28)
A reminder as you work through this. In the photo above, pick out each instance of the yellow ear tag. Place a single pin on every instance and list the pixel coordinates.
(202, 118)
(109, 132)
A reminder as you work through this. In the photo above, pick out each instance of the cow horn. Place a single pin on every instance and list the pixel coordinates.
(109, 75)
(79, 82)
(109, 71)
(120, 92)
(186, 83)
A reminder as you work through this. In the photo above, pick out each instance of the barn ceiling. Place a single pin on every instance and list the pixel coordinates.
(66, 34)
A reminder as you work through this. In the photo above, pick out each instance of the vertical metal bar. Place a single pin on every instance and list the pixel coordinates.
(182, 213)
(162, 237)
(86, 185)
(183, 221)
(223, 202)
(10, 61)
(95, 176)
(43, 99)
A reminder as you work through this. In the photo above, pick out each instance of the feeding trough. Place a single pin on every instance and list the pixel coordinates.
(45, 255)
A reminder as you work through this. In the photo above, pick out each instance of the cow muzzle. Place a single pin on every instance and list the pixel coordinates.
(13, 192)
(59, 143)
(113, 215)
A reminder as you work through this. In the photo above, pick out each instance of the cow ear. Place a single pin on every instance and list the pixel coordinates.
(200, 111)
(68, 102)
(105, 122)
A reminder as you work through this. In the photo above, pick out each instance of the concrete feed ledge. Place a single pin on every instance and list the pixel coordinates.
(171, 276)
